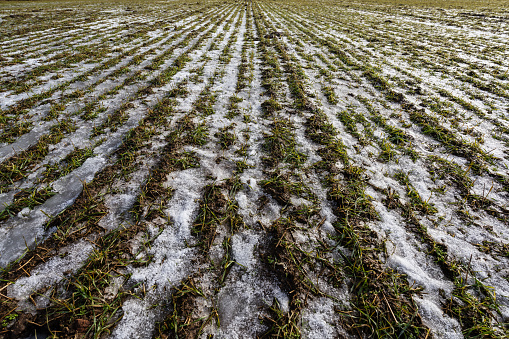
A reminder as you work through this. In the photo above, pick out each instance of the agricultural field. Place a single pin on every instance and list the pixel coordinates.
(254, 169)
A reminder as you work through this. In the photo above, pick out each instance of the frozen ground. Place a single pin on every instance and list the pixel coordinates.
(253, 169)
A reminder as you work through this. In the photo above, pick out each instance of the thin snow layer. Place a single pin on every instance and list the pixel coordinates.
(138, 320)
(402, 245)
(318, 319)
(239, 304)
(246, 291)
(172, 258)
(433, 317)
(68, 262)
(459, 241)
(404, 255)
(117, 204)
(249, 287)
(242, 246)
(25, 230)
(41, 127)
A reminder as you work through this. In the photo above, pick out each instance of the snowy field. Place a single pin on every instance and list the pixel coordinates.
(254, 169)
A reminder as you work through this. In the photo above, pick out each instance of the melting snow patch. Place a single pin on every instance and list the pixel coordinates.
(51, 272)
(318, 319)
(137, 322)
(243, 245)
(441, 325)
(117, 205)
(172, 258)
(240, 303)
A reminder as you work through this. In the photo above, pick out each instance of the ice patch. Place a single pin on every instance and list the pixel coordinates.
(19, 232)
